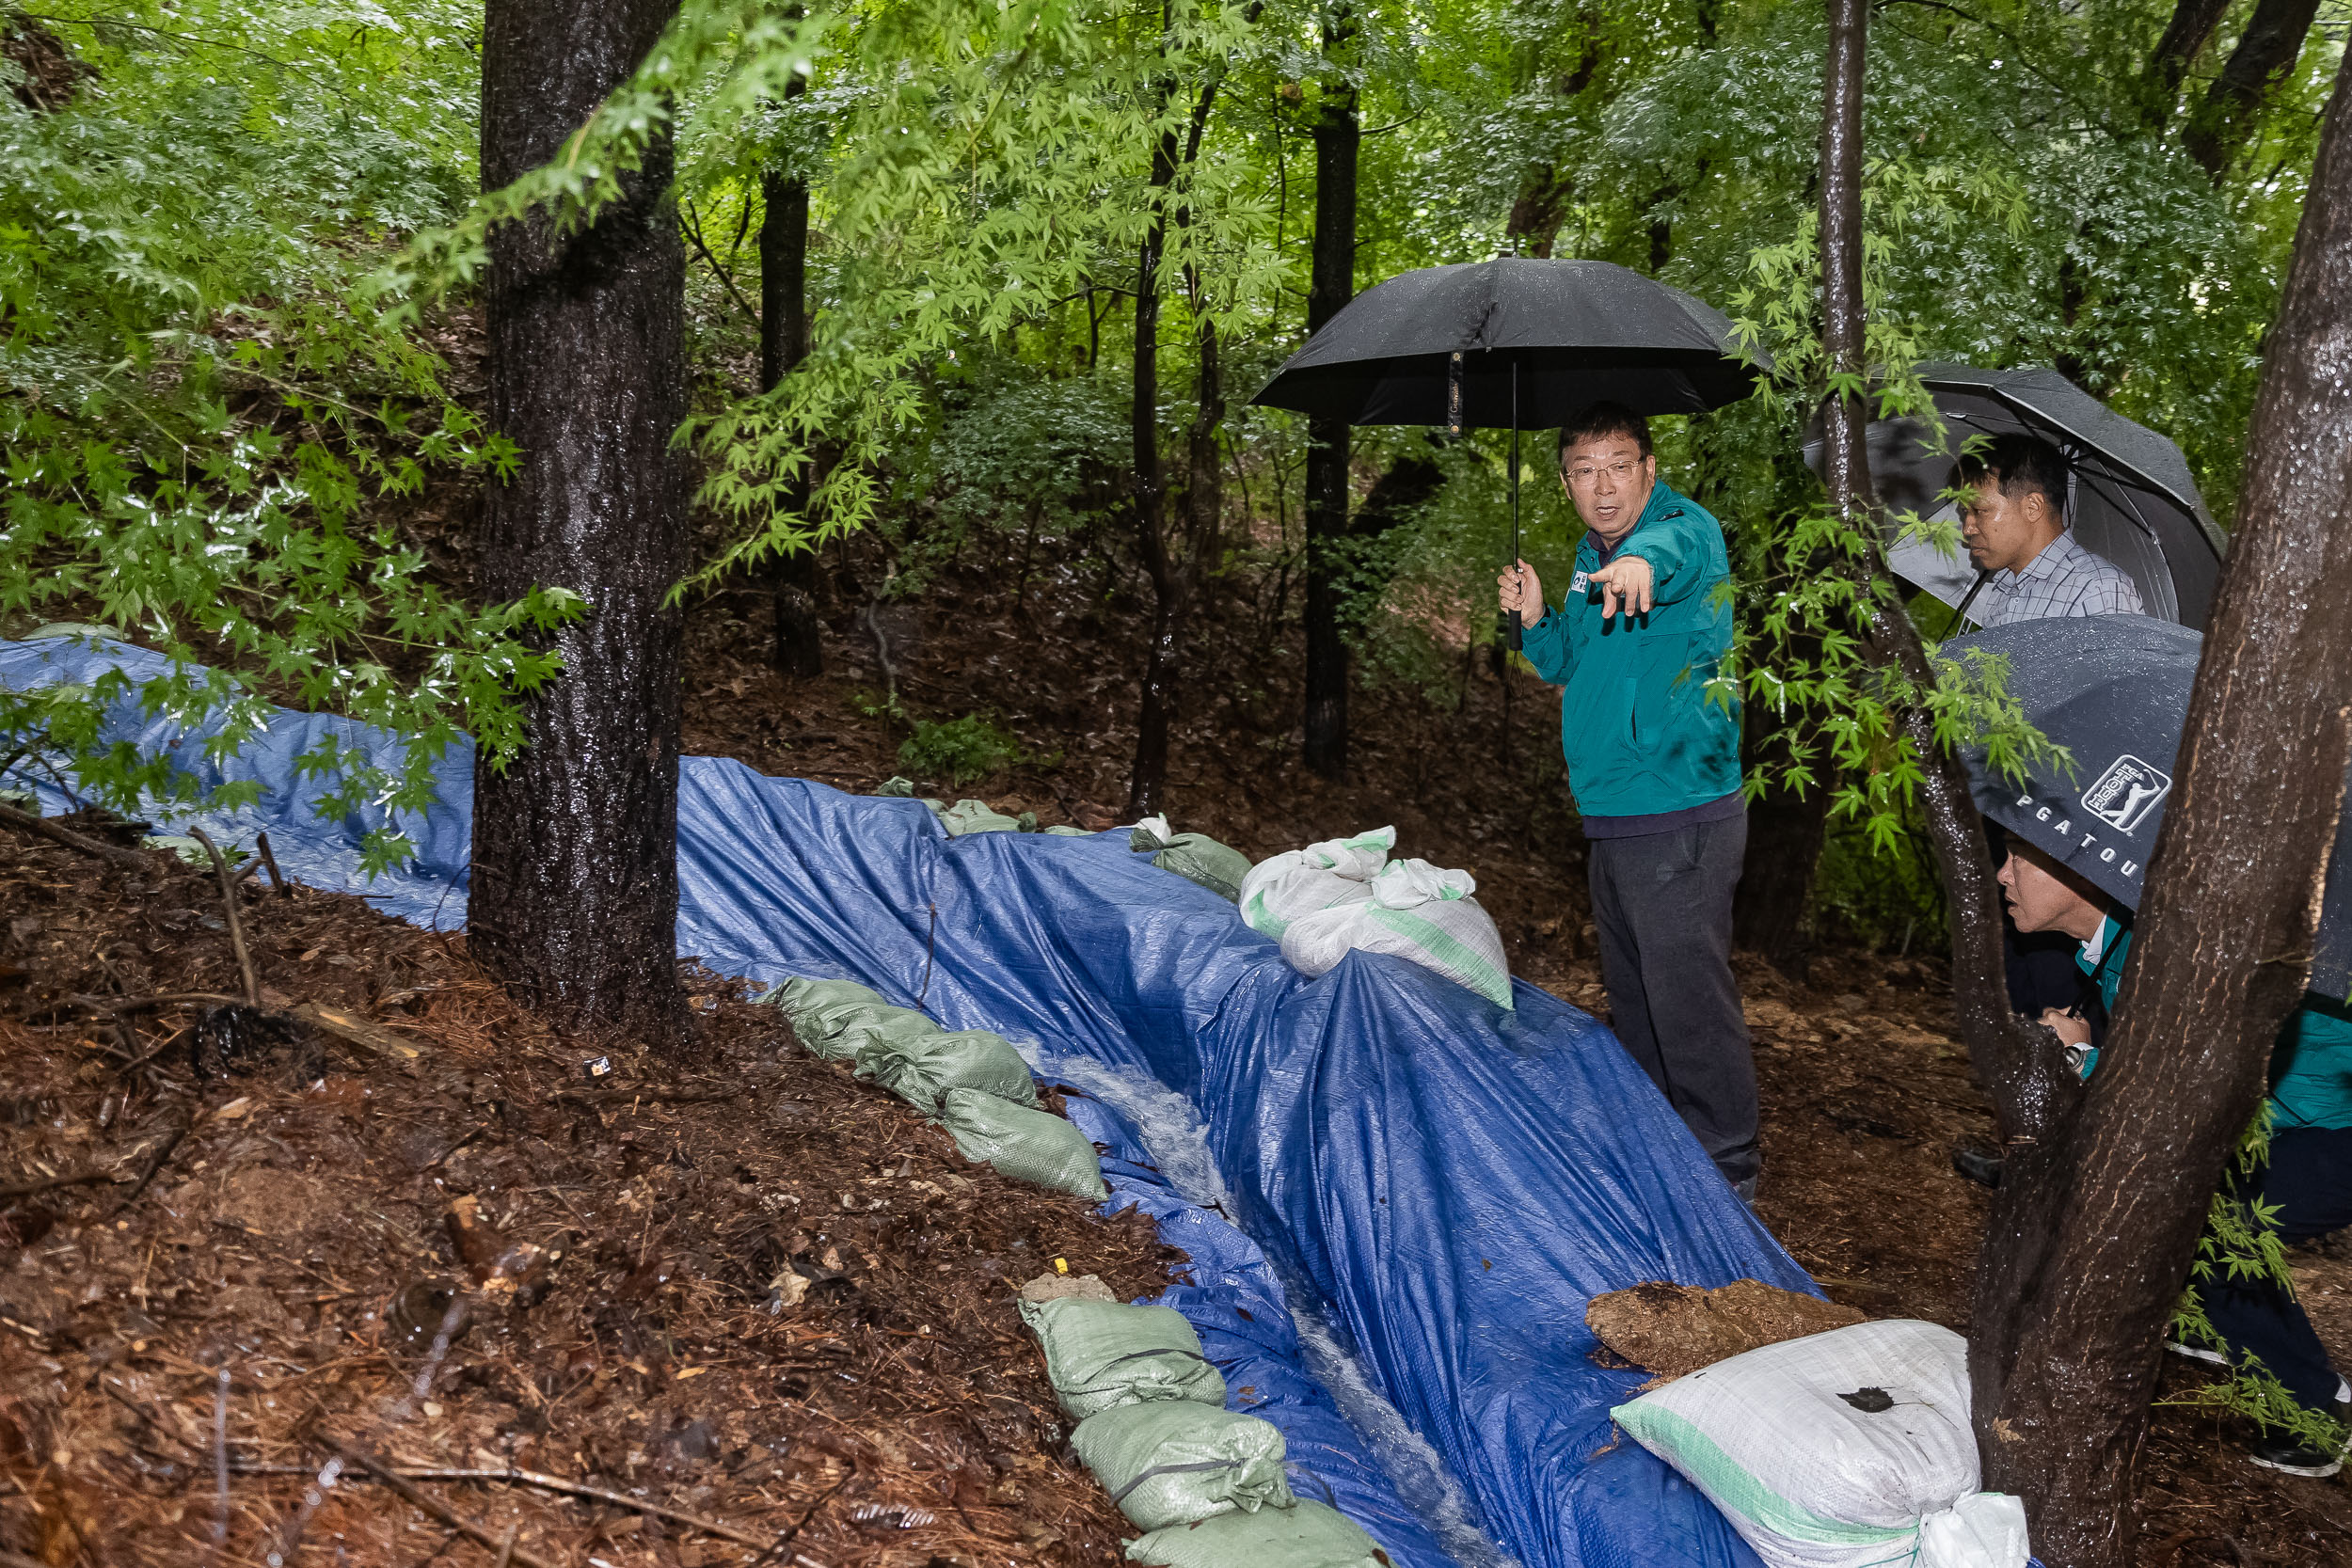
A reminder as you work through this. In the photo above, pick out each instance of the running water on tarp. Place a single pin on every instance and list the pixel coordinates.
(1166, 1122)
(1172, 1133)
(1419, 1471)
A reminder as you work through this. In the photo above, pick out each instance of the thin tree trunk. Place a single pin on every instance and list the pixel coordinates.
(1331, 283)
(1786, 832)
(1547, 191)
(1173, 574)
(2231, 113)
(1204, 469)
(2225, 933)
(1148, 778)
(575, 860)
(2034, 1098)
(798, 650)
(2184, 39)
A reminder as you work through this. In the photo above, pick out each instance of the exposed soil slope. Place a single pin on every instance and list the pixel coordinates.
(771, 1297)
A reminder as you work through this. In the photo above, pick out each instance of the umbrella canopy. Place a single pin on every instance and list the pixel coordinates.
(2130, 499)
(1577, 332)
(2113, 689)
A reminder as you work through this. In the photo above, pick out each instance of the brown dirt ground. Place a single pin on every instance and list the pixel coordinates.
(294, 1241)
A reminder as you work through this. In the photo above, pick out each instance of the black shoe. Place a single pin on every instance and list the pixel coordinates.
(2286, 1455)
(1980, 1165)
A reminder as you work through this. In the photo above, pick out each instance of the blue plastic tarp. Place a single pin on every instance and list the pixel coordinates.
(1444, 1182)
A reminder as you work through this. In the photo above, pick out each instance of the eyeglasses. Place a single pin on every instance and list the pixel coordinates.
(1584, 473)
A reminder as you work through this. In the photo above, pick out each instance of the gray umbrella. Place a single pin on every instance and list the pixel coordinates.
(2113, 689)
(2131, 497)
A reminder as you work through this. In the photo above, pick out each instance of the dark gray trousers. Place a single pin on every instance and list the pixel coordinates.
(1662, 903)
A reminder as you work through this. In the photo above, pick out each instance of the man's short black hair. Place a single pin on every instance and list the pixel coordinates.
(1603, 419)
(2015, 461)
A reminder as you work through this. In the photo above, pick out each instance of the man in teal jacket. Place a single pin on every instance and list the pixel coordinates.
(1654, 762)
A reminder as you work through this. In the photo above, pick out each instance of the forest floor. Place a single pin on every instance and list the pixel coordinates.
(764, 1296)
(273, 1292)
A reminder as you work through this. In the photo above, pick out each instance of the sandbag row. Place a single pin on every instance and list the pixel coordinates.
(1206, 1484)
(969, 1081)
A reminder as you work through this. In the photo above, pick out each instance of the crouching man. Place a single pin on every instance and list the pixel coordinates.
(1654, 763)
(2304, 1187)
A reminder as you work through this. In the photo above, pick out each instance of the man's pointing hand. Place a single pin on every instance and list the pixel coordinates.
(1625, 582)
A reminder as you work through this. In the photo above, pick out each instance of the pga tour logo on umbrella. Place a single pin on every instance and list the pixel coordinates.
(2122, 799)
(2127, 793)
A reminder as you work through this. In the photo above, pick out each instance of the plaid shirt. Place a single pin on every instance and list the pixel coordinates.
(2064, 580)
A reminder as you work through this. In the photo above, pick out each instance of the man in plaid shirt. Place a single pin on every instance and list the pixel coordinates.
(2015, 525)
(2013, 522)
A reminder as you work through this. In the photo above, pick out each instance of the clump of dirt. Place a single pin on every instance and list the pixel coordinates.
(1674, 1330)
(710, 1308)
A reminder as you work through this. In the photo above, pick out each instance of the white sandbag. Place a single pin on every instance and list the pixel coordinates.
(1415, 911)
(1300, 882)
(1838, 1450)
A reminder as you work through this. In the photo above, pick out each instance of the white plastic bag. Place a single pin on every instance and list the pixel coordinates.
(1415, 911)
(1838, 1450)
(1300, 882)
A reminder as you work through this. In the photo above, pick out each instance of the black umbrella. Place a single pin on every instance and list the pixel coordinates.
(2130, 499)
(1521, 342)
(2113, 689)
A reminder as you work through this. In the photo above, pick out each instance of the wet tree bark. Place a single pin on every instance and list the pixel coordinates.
(1173, 566)
(2225, 934)
(798, 650)
(1331, 284)
(574, 865)
(2230, 114)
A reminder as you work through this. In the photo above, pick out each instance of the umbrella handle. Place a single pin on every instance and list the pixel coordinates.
(1516, 632)
(1960, 616)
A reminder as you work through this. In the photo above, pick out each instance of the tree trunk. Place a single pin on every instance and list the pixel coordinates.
(1173, 574)
(1331, 285)
(1547, 191)
(575, 855)
(2034, 1097)
(2225, 932)
(2184, 39)
(2231, 113)
(798, 650)
(1786, 832)
(1148, 779)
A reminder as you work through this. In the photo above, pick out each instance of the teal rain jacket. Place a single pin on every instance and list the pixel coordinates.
(2310, 1066)
(1640, 732)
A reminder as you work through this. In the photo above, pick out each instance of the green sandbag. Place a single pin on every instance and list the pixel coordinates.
(1174, 1461)
(1309, 1535)
(1028, 1145)
(1100, 1354)
(978, 816)
(919, 1068)
(1196, 858)
(835, 1019)
(1062, 829)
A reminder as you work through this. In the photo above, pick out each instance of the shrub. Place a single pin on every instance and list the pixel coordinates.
(958, 750)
